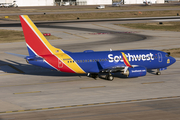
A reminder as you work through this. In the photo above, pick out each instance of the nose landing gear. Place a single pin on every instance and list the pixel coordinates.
(158, 72)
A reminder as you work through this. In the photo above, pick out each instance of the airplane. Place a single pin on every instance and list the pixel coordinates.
(131, 63)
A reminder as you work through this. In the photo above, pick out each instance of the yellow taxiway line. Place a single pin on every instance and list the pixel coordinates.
(92, 87)
(103, 103)
(153, 82)
(27, 92)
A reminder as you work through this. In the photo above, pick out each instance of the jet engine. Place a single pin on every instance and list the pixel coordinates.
(136, 72)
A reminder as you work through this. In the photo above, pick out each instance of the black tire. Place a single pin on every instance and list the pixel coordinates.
(94, 76)
(109, 77)
(158, 73)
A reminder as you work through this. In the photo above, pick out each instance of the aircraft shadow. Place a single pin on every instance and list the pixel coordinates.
(10, 66)
(151, 71)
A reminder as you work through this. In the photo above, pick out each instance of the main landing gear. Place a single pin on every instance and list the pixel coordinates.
(158, 72)
(109, 76)
(93, 75)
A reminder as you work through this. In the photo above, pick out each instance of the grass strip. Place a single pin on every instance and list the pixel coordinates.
(175, 52)
(84, 8)
(7, 36)
(74, 16)
(164, 26)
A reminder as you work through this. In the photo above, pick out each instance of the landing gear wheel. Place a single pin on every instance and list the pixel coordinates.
(94, 76)
(158, 73)
(109, 77)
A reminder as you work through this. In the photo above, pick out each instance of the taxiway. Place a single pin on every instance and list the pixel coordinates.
(54, 95)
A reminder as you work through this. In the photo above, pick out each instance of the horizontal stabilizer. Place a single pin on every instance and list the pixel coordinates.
(18, 55)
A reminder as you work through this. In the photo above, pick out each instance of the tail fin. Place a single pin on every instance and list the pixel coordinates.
(36, 43)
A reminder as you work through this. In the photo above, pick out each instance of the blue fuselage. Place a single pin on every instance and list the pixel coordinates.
(94, 62)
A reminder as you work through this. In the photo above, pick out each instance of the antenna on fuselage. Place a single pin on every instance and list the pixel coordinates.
(110, 49)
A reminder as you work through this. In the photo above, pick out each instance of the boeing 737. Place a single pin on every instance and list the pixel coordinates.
(131, 63)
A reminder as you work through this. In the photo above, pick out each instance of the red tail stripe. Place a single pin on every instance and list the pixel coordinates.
(39, 48)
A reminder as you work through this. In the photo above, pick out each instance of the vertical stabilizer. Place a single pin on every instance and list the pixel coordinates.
(36, 43)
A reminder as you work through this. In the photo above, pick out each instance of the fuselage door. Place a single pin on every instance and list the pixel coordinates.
(60, 64)
(160, 57)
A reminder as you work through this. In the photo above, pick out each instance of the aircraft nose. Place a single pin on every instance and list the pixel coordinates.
(173, 60)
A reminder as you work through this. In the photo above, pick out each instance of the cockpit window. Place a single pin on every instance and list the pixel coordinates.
(167, 55)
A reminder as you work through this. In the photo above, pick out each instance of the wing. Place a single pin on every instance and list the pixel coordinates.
(115, 68)
(118, 67)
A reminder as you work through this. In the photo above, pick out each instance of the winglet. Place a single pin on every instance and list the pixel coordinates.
(126, 62)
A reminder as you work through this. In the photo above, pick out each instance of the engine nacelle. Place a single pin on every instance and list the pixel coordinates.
(136, 72)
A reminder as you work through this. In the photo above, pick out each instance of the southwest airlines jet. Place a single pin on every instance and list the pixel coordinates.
(132, 63)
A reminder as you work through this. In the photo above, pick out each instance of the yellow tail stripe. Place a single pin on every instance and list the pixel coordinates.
(70, 63)
(41, 36)
(57, 52)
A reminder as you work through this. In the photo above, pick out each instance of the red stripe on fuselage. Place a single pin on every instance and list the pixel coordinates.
(126, 63)
(53, 60)
(36, 44)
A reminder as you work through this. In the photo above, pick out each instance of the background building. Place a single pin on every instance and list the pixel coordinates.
(35, 2)
(22, 3)
(141, 1)
(96, 2)
(85, 2)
